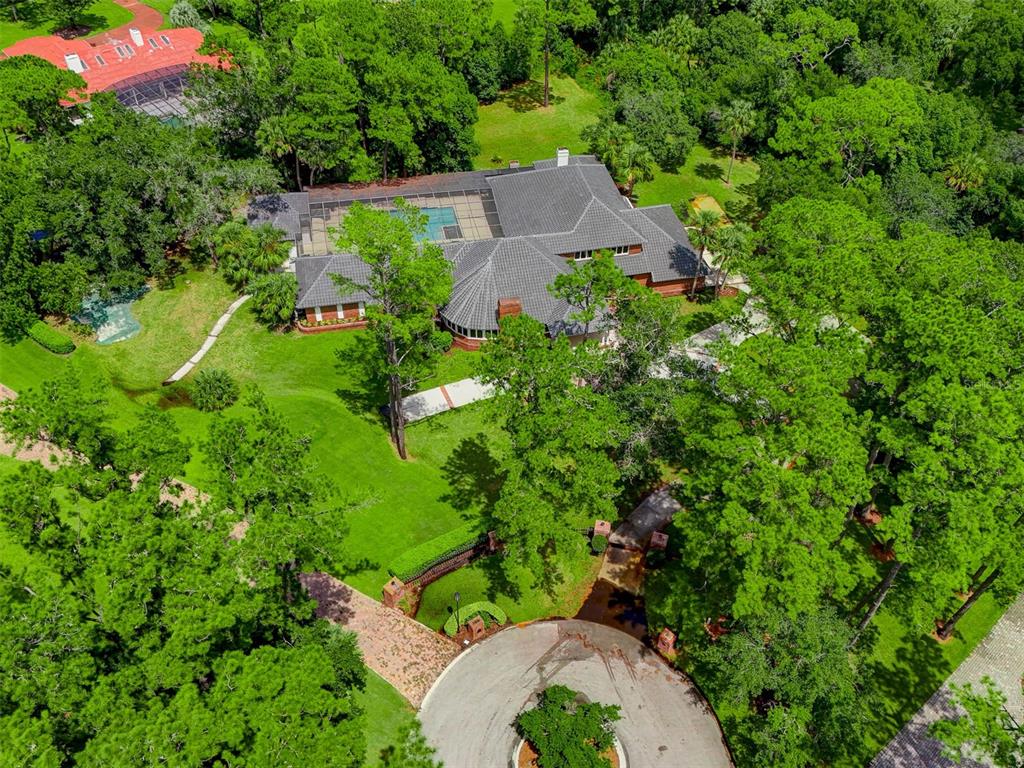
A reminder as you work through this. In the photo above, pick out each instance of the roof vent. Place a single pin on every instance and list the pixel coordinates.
(509, 308)
(75, 64)
(135, 35)
(563, 156)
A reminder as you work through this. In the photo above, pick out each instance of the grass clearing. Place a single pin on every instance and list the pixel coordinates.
(98, 17)
(505, 12)
(518, 127)
(703, 174)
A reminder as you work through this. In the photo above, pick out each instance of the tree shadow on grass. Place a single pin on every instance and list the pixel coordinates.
(474, 476)
(527, 97)
(364, 392)
(709, 171)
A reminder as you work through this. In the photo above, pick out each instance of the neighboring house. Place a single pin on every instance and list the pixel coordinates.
(508, 233)
(147, 70)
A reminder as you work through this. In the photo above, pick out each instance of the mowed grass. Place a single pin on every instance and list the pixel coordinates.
(518, 127)
(385, 712)
(100, 16)
(703, 174)
(505, 12)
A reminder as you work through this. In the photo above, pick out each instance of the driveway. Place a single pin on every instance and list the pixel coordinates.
(468, 713)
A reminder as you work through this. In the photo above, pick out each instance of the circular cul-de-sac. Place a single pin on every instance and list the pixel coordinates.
(468, 714)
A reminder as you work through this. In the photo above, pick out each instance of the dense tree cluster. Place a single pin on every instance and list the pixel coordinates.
(143, 627)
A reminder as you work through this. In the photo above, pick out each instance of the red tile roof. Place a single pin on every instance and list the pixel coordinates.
(122, 58)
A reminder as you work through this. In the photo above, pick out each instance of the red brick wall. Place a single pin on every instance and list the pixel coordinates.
(349, 310)
(330, 312)
(644, 279)
(310, 315)
(676, 287)
(461, 342)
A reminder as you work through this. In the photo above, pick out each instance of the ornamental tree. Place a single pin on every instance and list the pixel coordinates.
(409, 278)
(568, 733)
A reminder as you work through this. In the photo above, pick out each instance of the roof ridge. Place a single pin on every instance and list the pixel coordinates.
(328, 258)
(654, 223)
(615, 214)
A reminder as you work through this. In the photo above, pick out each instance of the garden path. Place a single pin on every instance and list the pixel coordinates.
(214, 333)
(401, 650)
(444, 398)
(999, 656)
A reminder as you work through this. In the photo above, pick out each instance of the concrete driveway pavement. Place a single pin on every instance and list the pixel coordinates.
(666, 723)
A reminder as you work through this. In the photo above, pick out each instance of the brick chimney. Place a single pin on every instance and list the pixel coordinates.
(136, 36)
(509, 308)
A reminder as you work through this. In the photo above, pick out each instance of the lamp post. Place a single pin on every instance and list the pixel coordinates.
(457, 596)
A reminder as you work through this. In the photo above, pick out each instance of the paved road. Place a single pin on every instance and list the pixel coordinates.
(999, 656)
(665, 722)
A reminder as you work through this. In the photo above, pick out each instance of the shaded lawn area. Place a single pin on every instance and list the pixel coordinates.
(704, 310)
(98, 17)
(518, 127)
(703, 174)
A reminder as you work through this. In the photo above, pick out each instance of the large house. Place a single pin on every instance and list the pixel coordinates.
(146, 68)
(508, 233)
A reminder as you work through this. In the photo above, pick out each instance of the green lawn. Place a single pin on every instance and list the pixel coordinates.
(505, 12)
(517, 127)
(100, 16)
(385, 711)
(703, 174)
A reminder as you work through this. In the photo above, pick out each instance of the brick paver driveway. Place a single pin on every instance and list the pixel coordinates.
(401, 650)
(665, 721)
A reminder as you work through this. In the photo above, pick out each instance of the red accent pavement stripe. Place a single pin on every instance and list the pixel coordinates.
(447, 399)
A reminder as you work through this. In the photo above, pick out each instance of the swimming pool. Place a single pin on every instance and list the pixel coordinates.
(441, 224)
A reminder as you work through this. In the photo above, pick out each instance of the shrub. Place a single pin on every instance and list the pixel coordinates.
(599, 544)
(567, 733)
(273, 297)
(415, 561)
(467, 612)
(50, 338)
(213, 390)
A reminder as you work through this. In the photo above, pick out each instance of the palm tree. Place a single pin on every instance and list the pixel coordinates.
(737, 122)
(965, 172)
(733, 242)
(633, 162)
(704, 234)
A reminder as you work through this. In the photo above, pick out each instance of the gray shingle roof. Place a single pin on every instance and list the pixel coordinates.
(281, 210)
(543, 211)
(317, 289)
(506, 268)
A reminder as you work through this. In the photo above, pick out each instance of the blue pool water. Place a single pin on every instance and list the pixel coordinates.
(437, 220)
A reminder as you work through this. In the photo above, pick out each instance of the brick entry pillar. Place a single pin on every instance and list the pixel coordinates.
(476, 628)
(394, 590)
(667, 642)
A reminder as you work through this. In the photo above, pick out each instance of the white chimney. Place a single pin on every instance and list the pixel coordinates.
(563, 156)
(74, 62)
(135, 35)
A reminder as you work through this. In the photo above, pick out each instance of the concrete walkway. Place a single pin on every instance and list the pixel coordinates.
(431, 402)
(214, 333)
(665, 721)
(401, 650)
(999, 656)
(652, 514)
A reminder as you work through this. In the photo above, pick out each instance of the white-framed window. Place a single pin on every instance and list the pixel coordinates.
(165, 39)
(100, 61)
(318, 314)
(362, 309)
(583, 255)
(621, 250)
(152, 44)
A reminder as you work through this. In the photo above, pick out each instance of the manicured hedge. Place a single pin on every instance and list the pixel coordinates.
(50, 338)
(415, 561)
(467, 612)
